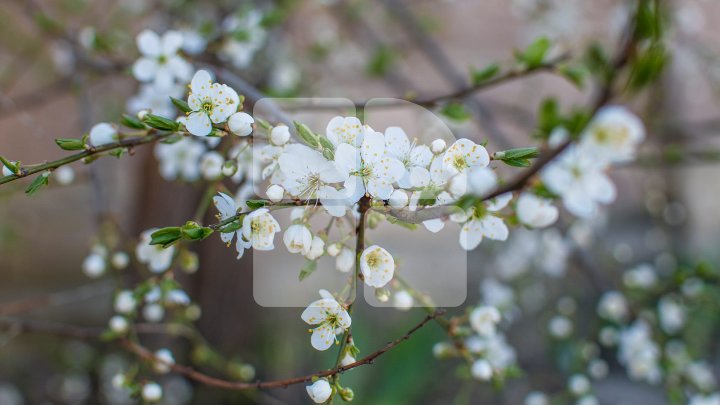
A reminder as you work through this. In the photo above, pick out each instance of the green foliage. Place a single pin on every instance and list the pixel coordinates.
(307, 269)
(255, 204)
(39, 182)
(166, 237)
(131, 122)
(456, 112)
(478, 77)
(517, 157)
(161, 123)
(70, 143)
(548, 118)
(575, 74)
(181, 105)
(647, 66)
(534, 55)
(406, 225)
(306, 135)
(193, 231)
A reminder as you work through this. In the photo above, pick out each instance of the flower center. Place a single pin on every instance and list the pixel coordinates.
(207, 107)
(460, 163)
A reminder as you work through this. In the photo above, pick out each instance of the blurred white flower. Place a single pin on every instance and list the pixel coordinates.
(403, 300)
(536, 212)
(377, 266)
(160, 62)
(102, 134)
(151, 392)
(180, 160)
(481, 370)
(157, 258)
(484, 320)
(613, 306)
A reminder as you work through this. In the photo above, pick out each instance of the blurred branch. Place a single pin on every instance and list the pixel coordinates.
(55, 299)
(88, 333)
(128, 143)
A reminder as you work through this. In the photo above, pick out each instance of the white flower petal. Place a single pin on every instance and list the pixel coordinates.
(198, 123)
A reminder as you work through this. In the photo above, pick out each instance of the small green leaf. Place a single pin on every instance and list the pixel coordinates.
(70, 143)
(404, 224)
(479, 76)
(455, 111)
(263, 124)
(306, 135)
(255, 204)
(534, 55)
(548, 118)
(518, 153)
(575, 74)
(131, 122)
(181, 105)
(308, 269)
(517, 162)
(166, 236)
(161, 123)
(117, 152)
(193, 231)
(40, 181)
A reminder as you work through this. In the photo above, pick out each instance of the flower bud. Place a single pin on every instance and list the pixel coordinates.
(241, 124)
(164, 359)
(320, 391)
(334, 249)
(481, 370)
(280, 135)
(317, 247)
(382, 294)
(229, 168)
(346, 394)
(275, 193)
(398, 199)
(153, 313)
(64, 175)
(437, 146)
(118, 324)
(120, 260)
(94, 265)
(402, 300)
(151, 392)
(142, 114)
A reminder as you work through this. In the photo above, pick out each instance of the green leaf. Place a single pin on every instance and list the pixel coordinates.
(131, 122)
(231, 227)
(479, 76)
(518, 153)
(40, 181)
(548, 118)
(534, 55)
(263, 124)
(327, 148)
(117, 152)
(517, 162)
(166, 236)
(161, 123)
(255, 204)
(647, 67)
(181, 105)
(308, 269)
(193, 231)
(455, 111)
(575, 74)
(70, 143)
(306, 135)
(597, 61)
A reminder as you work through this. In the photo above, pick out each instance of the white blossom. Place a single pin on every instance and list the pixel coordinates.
(464, 154)
(415, 158)
(613, 306)
(613, 135)
(280, 135)
(102, 134)
(64, 175)
(347, 130)
(180, 159)
(345, 260)
(639, 353)
(536, 212)
(484, 319)
(275, 193)
(156, 100)
(377, 266)
(160, 62)
(307, 174)
(259, 228)
(211, 103)
(241, 123)
(642, 276)
(479, 224)
(152, 392)
(368, 169)
(578, 384)
(153, 312)
(118, 324)
(94, 265)
(672, 315)
(226, 209)
(398, 199)
(700, 399)
(211, 165)
(317, 247)
(536, 398)
(298, 239)
(438, 146)
(157, 258)
(580, 180)
(481, 370)
(319, 391)
(125, 302)
(163, 360)
(403, 300)
(330, 317)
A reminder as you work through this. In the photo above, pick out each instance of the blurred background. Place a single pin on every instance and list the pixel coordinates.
(65, 65)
